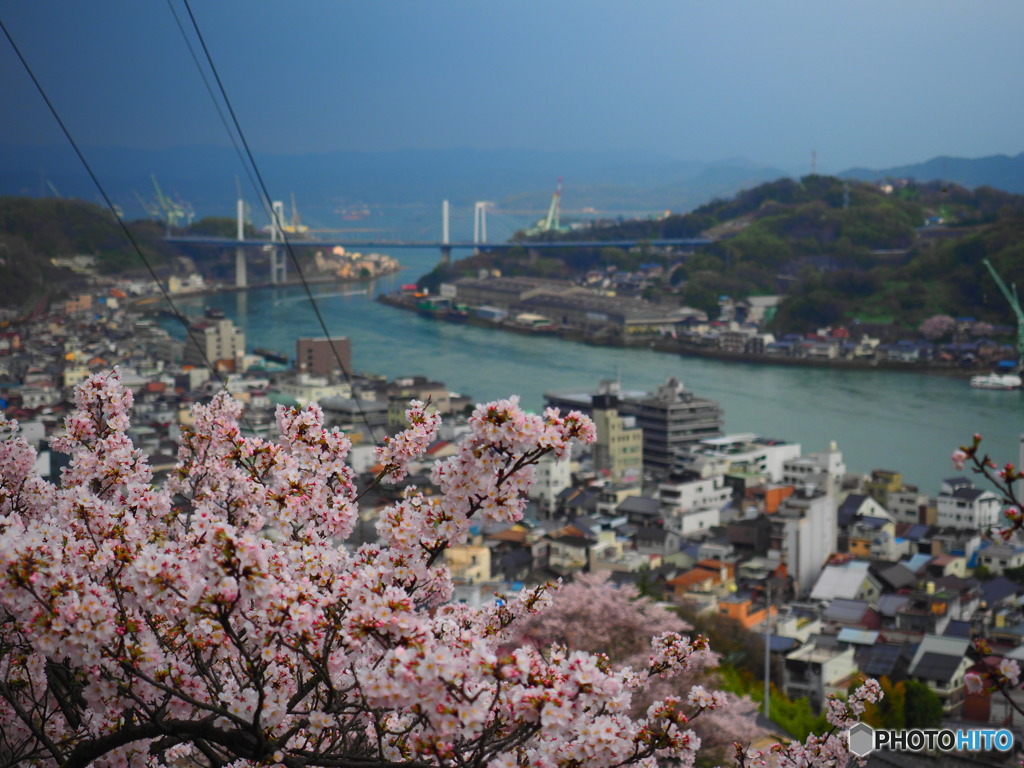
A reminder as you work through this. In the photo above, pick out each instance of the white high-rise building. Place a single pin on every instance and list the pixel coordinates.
(210, 341)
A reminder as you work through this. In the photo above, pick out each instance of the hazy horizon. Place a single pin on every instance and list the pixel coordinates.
(870, 84)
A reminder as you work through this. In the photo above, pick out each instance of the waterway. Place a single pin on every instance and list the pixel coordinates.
(908, 422)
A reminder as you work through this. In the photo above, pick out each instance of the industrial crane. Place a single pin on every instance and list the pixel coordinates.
(296, 227)
(551, 222)
(1011, 297)
(173, 211)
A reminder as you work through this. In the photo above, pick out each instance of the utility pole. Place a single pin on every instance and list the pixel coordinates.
(767, 646)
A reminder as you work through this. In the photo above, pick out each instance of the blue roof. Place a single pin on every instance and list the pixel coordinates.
(857, 636)
(918, 561)
(780, 644)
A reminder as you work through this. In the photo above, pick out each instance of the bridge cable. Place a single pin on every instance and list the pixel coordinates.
(124, 228)
(267, 201)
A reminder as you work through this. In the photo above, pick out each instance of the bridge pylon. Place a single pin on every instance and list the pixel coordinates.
(241, 277)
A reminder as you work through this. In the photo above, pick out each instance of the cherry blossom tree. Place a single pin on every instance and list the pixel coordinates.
(937, 327)
(592, 614)
(990, 673)
(220, 620)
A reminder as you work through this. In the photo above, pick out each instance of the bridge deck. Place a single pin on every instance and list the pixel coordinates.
(227, 242)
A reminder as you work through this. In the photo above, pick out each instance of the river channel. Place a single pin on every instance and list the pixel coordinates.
(908, 422)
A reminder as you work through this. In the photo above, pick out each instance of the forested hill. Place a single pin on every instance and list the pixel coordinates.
(35, 231)
(845, 250)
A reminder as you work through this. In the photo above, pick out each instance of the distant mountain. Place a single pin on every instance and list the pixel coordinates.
(998, 171)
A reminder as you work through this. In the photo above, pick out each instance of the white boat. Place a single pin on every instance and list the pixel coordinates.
(997, 381)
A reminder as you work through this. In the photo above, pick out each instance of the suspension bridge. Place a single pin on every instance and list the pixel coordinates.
(276, 245)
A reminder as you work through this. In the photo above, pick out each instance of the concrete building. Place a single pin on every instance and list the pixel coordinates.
(743, 453)
(961, 505)
(551, 477)
(618, 451)
(822, 470)
(672, 418)
(804, 534)
(703, 493)
(315, 356)
(210, 341)
(312, 389)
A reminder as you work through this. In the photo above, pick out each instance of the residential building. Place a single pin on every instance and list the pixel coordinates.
(997, 556)
(312, 389)
(961, 505)
(940, 663)
(670, 418)
(814, 671)
(848, 579)
(740, 453)
(804, 534)
(680, 496)
(823, 470)
(551, 478)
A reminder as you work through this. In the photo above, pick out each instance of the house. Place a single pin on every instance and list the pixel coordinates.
(940, 663)
(859, 505)
(842, 612)
(883, 660)
(961, 505)
(851, 579)
(929, 610)
(705, 576)
(653, 540)
(873, 537)
(743, 609)
(640, 510)
(893, 577)
(816, 670)
(997, 557)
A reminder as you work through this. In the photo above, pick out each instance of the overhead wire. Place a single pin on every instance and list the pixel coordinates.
(267, 202)
(213, 96)
(113, 209)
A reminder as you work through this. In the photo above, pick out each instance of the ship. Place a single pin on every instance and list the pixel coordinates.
(271, 355)
(997, 381)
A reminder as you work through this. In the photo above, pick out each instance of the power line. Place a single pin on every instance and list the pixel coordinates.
(213, 96)
(278, 224)
(109, 203)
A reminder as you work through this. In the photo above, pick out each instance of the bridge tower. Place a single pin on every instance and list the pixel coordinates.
(241, 278)
(480, 222)
(446, 251)
(278, 261)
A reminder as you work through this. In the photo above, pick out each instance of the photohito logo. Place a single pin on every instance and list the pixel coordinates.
(863, 739)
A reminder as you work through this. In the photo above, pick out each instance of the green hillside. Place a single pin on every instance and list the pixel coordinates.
(34, 231)
(841, 251)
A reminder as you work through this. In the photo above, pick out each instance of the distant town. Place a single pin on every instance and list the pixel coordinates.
(845, 574)
(606, 307)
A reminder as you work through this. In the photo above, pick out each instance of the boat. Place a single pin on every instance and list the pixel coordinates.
(997, 381)
(271, 355)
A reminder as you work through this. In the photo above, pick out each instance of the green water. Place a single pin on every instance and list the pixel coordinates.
(903, 421)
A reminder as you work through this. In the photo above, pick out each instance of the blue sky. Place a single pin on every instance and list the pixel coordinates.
(871, 82)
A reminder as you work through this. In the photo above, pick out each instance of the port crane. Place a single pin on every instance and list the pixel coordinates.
(551, 222)
(295, 227)
(1011, 297)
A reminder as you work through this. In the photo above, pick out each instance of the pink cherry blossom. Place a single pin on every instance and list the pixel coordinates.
(225, 619)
